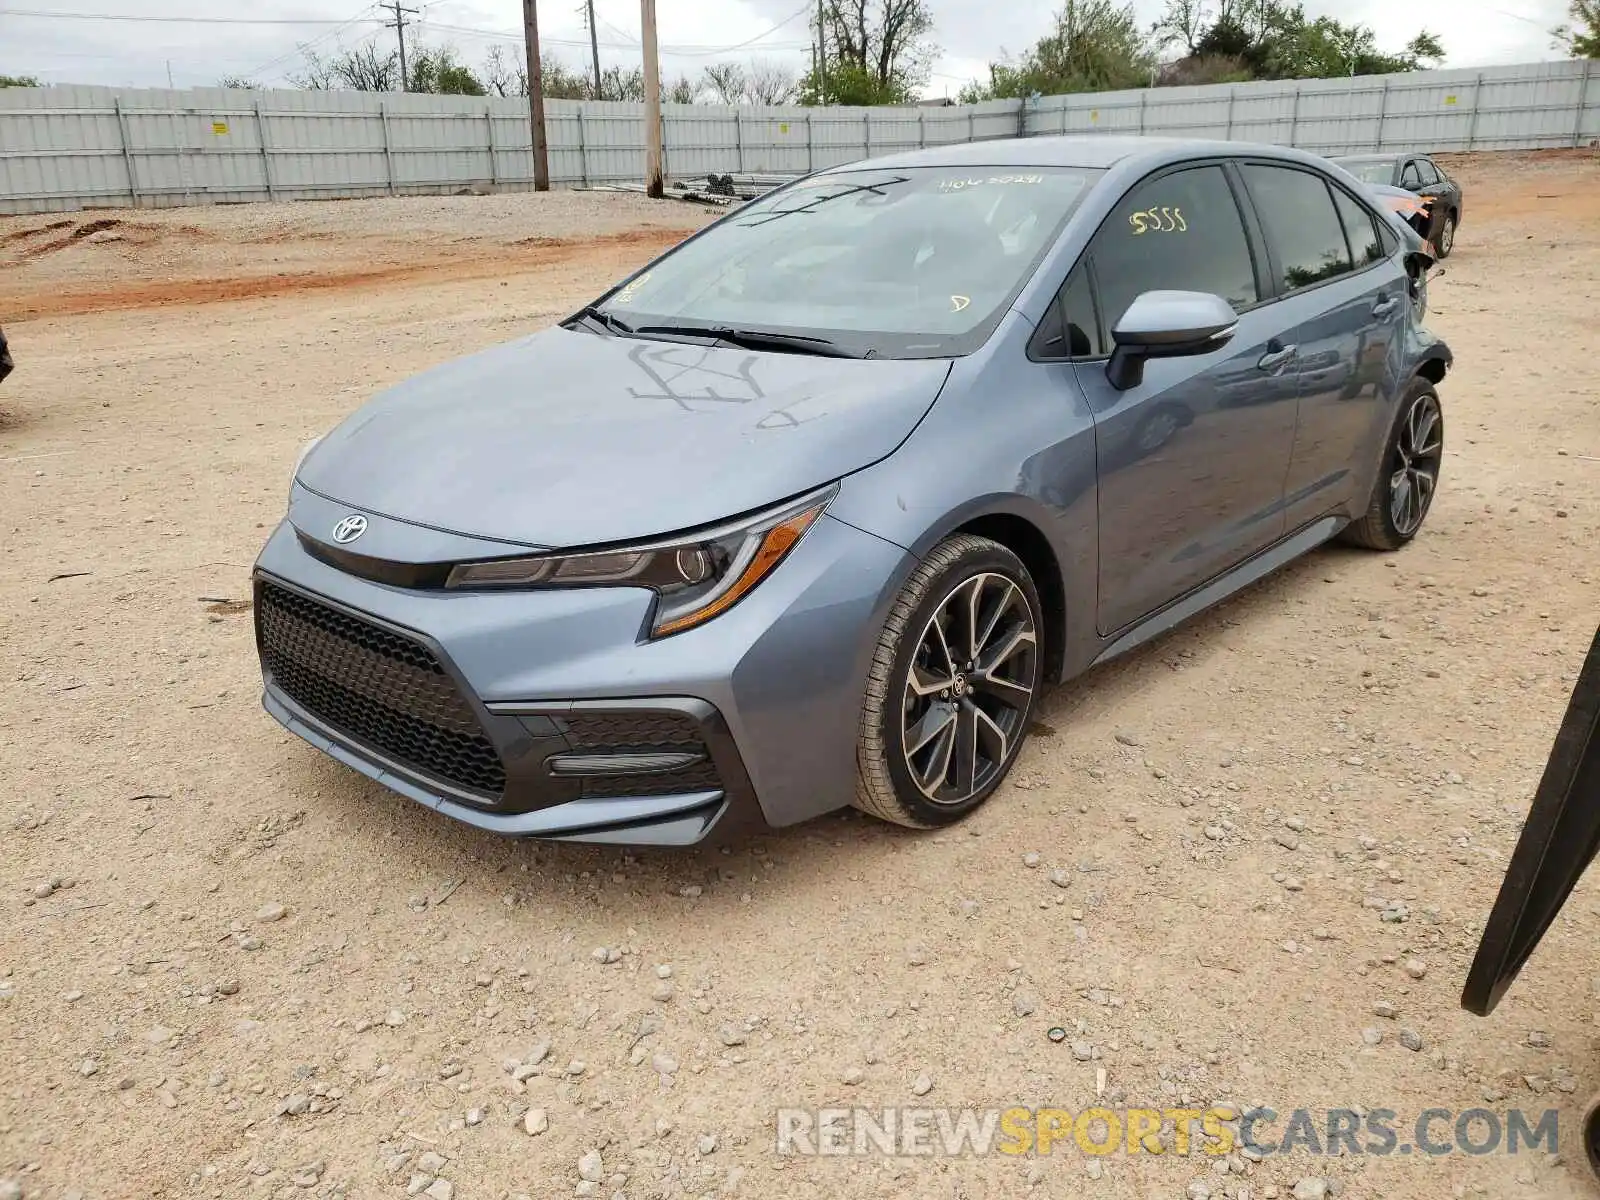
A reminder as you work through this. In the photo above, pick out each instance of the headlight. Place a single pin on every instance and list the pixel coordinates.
(694, 578)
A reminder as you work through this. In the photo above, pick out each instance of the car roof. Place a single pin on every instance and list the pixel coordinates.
(1372, 158)
(1089, 151)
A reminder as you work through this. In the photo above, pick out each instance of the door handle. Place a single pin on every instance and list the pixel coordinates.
(1276, 356)
(1385, 306)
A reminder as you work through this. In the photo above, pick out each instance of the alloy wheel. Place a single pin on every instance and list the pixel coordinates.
(1447, 236)
(1414, 475)
(969, 689)
(1155, 433)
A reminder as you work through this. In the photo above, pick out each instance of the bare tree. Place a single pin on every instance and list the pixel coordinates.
(502, 77)
(319, 74)
(882, 40)
(1184, 22)
(237, 83)
(770, 83)
(726, 82)
(365, 70)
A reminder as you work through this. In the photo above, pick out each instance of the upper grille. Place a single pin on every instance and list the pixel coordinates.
(640, 730)
(380, 687)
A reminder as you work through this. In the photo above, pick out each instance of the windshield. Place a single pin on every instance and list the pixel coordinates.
(1369, 170)
(909, 263)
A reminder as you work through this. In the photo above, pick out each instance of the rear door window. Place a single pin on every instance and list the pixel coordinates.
(1409, 178)
(1360, 229)
(1179, 231)
(1297, 213)
(1426, 172)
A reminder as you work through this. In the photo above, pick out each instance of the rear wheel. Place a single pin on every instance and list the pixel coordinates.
(1447, 235)
(1591, 1135)
(952, 686)
(1404, 490)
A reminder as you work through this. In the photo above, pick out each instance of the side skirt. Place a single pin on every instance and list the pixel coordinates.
(1219, 589)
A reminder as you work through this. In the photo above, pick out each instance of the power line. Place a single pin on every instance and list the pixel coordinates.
(303, 47)
(688, 50)
(73, 16)
(1516, 17)
(680, 51)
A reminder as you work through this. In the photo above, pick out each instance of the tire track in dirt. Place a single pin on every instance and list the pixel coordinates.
(460, 264)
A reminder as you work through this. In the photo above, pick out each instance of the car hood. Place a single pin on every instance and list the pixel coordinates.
(567, 438)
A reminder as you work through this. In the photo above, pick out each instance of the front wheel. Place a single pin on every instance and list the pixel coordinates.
(952, 686)
(1409, 477)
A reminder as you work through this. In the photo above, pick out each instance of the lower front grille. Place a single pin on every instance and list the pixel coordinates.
(636, 732)
(381, 688)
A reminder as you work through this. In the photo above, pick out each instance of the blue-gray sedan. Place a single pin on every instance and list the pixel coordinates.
(807, 511)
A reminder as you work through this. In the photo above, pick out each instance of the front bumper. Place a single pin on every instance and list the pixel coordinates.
(764, 699)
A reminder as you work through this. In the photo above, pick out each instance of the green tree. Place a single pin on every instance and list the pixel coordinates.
(1580, 36)
(437, 70)
(19, 81)
(562, 82)
(877, 52)
(681, 90)
(1096, 46)
(1275, 40)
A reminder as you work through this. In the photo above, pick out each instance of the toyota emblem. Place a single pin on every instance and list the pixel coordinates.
(349, 529)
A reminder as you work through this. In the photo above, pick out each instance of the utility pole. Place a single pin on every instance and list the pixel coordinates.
(541, 157)
(594, 49)
(822, 56)
(399, 26)
(653, 185)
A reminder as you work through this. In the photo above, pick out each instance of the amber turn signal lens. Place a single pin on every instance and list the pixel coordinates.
(775, 544)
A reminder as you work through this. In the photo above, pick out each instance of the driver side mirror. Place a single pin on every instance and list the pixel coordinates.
(1167, 325)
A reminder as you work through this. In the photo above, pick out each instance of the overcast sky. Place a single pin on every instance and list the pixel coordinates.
(139, 53)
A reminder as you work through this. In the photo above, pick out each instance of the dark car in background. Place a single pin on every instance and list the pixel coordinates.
(1418, 174)
(5, 356)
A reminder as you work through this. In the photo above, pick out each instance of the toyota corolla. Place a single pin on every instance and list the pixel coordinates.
(807, 511)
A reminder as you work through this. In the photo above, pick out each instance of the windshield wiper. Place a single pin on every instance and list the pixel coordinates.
(758, 339)
(601, 317)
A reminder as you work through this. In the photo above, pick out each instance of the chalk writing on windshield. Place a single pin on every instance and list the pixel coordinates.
(631, 289)
(961, 184)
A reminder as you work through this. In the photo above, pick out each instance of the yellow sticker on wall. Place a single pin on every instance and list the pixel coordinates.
(220, 128)
(1094, 114)
(783, 128)
(1449, 99)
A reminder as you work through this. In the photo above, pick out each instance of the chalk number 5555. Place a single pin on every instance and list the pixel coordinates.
(1158, 220)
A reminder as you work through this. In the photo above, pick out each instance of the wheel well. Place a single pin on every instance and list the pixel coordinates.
(1432, 370)
(1023, 538)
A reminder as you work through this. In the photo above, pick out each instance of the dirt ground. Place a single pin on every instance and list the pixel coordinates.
(231, 967)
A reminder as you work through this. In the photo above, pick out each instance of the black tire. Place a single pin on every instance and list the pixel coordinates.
(1447, 236)
(1591, 1135)
(1378, 528)
(964, 571)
